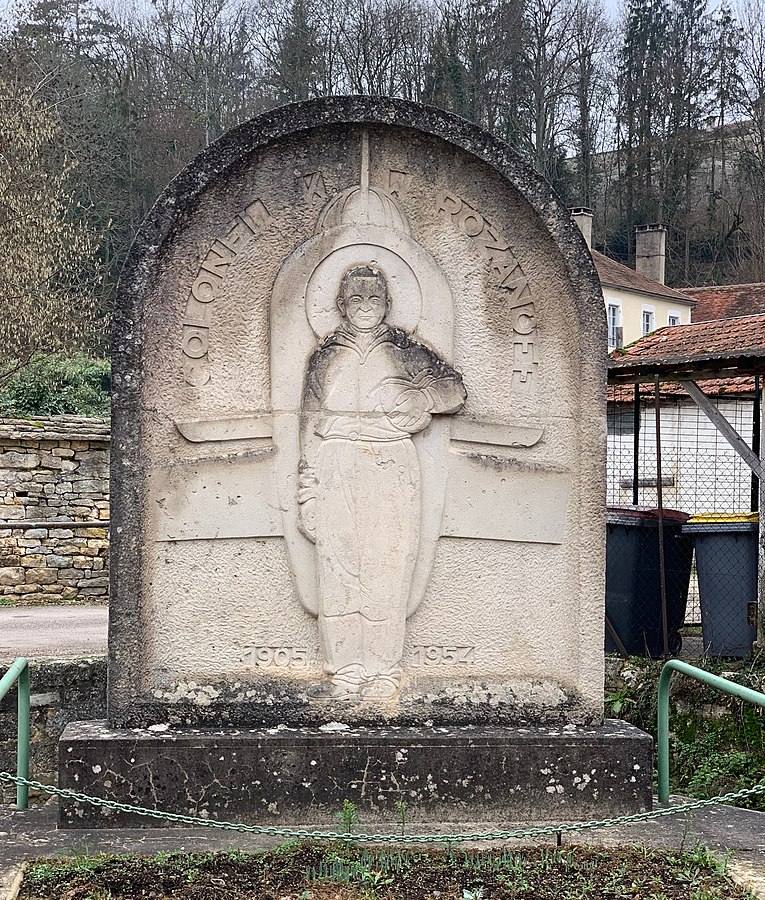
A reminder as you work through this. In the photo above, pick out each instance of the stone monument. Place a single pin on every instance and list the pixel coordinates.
(358, 468)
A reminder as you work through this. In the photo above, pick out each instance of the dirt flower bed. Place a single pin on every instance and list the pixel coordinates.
(340, 871)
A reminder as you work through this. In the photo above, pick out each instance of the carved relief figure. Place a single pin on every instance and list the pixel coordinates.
(368, 389)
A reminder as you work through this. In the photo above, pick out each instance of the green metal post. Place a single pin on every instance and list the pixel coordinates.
(22, 749)
(19, 672)
(662, 724)
(662, 731)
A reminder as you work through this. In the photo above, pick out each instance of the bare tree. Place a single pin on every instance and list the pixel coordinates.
(550, 57)
(47, 284)
(751, 163)
(377, 46)
(591, 105)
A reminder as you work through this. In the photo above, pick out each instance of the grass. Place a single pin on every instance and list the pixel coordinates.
(341, 871)
(717, 742)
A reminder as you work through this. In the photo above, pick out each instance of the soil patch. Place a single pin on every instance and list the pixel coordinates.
(341, 871)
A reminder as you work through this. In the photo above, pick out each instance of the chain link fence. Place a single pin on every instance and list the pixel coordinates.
(706, 546)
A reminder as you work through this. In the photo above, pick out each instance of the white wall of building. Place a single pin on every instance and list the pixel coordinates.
(706, 474)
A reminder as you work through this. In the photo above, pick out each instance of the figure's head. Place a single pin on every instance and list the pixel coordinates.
(363, 298)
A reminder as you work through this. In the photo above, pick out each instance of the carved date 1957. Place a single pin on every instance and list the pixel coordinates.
(443, 655)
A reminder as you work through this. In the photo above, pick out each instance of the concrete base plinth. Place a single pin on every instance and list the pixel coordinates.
(302, 775)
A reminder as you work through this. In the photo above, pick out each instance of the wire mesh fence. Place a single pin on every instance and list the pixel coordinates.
(707, 542)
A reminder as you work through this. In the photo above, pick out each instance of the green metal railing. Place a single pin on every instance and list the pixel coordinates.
(715, 681)
(19, 672)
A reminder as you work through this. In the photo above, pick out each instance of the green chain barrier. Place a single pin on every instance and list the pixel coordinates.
(273, 831)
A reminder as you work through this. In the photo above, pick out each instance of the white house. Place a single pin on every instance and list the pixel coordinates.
(637, 300)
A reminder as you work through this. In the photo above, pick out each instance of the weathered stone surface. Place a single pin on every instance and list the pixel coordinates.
(14, 460)
(240, 578)
(58, 562)
(35, 492)
(34, 560)
(41, 576)
(11, 575)
(53, 594)
(287, 775)
(94, 582)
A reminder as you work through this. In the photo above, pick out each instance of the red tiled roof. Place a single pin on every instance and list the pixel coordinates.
(742, 385)
(726, 301)
(616, 275)
(732, 347)
(699, 338)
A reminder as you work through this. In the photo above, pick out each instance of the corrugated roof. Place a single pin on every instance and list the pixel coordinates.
(703, 349)
(616, 275)
(725, 301)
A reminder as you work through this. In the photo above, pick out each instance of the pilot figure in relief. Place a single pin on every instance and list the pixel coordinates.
(369, 387)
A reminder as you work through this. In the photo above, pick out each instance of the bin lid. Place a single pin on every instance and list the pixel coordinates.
(723, 518)
(722, 523)
(643, 515)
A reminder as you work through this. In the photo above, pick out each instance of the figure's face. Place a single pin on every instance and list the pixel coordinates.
(365, 303)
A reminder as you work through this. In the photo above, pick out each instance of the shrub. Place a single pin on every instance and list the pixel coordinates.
(59, 384)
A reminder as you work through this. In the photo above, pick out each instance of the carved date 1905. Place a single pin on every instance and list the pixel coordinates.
(274, 657)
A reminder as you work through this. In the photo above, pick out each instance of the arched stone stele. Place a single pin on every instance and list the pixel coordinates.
(358, 452)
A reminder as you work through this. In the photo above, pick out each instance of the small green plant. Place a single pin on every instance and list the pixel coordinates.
(400, 806)
(41, 873)
(688, 821)
(375, 879)
(348, 816)
(618, 701)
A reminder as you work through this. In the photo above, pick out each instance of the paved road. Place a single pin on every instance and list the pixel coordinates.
(48, 632)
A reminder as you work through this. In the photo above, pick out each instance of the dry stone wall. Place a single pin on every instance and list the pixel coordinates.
(54, 510)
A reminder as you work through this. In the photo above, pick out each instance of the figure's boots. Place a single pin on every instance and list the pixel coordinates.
(380, 687)
(345, 684)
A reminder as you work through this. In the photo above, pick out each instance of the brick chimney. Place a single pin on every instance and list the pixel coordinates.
(650, 251)
(583, 218)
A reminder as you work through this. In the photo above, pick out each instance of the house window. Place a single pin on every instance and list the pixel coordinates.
(621, 420)
(614, 328)
(673, 318)
(648, 325)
